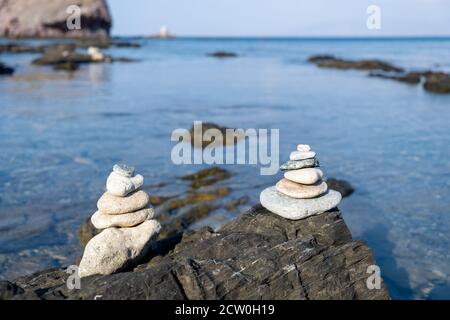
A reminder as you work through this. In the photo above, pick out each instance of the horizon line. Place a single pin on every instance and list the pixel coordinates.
(288, 36)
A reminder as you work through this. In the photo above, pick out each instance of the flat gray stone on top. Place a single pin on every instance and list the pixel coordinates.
(296, 209)
(300, 164)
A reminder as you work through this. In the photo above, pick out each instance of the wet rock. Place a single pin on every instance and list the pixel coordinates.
(327, 61)
(207, 177)
(21, 48)
(257, 256)
(8, 290)
(342, 186)
(437, 82)
(87, 231)
(192, 198)
(234, 204)
(410, 77)
(198, 135)
(36, 18)
(185, 218)
(66, 66)
(5, 70)
(158, 200)
(102, 43)
(62, 54)
(222, 54)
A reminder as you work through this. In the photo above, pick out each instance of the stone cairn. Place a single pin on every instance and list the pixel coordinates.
(302, 192)
(126, 217)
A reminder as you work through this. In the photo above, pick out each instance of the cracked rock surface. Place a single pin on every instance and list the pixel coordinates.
(36, 18)
(257, 256)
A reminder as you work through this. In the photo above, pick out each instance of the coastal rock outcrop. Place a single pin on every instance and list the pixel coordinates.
(222, 54)
(433, 81)
(326, 61)
(259, 255)
(437, 82)
(5, 70)
(36, 18)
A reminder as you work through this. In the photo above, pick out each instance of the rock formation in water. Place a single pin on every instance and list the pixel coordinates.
(5, 70)
(260, 255)
(433, 81)
(37, 18)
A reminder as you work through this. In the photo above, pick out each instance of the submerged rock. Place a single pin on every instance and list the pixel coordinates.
(410, 77)
(102, 43)
(437, 82)
(327, 61)
(222, 54)
(342, 186)
(5, 70)
(197, 135)
(234, 204)
(207, 177)
(62, 54)
(66, 66)
(21, 48)
(257, 256)
(36, 18)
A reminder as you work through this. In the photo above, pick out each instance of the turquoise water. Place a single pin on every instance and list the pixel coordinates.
(60, 134)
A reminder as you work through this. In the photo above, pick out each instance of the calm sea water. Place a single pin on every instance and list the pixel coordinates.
(60, 134)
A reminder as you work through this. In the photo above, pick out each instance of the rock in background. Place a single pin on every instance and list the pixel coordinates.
(37, 18)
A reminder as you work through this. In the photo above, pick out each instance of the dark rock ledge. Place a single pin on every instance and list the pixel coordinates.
(433, 81)
(257, 256)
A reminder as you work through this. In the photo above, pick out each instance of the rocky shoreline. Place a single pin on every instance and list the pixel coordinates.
(433, 81)
(259, 255)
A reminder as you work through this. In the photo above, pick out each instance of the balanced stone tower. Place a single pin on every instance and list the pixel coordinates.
(126, 217)
(302, 192)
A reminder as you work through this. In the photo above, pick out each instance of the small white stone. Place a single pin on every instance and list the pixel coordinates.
(113, 249)
(124, 170)
(296, 209)
(304, 176)
(120, 186)
(302, 155)
(95, 54)
(303, 147)
(102, 220)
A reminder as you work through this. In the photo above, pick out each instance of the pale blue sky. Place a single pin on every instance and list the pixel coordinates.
(279, 17)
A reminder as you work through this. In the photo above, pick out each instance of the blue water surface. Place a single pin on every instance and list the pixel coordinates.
(60, 134)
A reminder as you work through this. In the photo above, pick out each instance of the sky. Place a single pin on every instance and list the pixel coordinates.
(280, 17)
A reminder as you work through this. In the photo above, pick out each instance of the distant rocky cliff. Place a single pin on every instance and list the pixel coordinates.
(37, 18)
